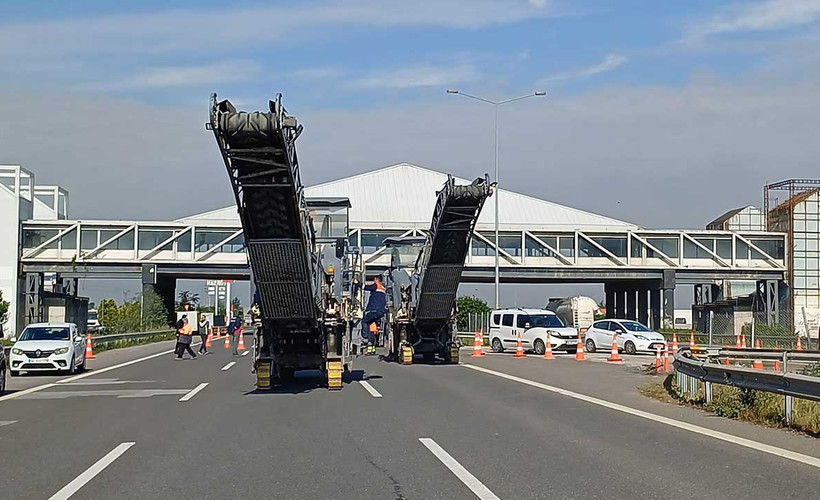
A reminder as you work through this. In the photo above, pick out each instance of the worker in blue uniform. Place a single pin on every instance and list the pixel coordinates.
(374, 312)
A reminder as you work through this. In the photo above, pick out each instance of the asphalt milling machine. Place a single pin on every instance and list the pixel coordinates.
(308, 306)
(424, 273)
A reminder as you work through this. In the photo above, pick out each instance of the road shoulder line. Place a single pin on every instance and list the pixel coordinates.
(194, 392)
(729, 438)
(228, 366)
(369, 388)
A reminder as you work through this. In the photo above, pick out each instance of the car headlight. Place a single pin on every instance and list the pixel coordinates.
(641, 337)
(61, 350)
(17, 350)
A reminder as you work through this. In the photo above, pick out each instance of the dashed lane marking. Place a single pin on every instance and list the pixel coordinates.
(194, 392)
(228, 366)
(469, 480)
(245, 353)
(748, 443)
(369, 388)
(91, 472)
(7, 422)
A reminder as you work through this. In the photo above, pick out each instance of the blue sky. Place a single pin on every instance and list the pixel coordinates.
(645, 97)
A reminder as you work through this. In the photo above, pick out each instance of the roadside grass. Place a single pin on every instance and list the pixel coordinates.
(759, 407)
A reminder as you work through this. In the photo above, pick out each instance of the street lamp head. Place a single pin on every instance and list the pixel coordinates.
(540, 92)
(452, 91)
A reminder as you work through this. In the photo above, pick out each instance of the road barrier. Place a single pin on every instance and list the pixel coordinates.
(704, 366)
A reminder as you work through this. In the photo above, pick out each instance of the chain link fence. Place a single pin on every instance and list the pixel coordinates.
(724, 328)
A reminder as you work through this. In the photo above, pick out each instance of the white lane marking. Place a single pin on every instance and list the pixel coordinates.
(369, 388)
(245, 353)
(91, 472)
(748, 443)
(193, 392)
(469, 480)
(7, 422)
(24, 392)
(125, 393)
(228, 366)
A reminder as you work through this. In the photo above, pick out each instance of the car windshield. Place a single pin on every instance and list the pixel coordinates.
(92, 315)
(634, 326)
(46, 333)
(545, 320)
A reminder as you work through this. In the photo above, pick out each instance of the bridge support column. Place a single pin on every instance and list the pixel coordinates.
(655, 309)
(33, 312)
(609, 291)
(632, 304)
(643, 306)
(668, 298)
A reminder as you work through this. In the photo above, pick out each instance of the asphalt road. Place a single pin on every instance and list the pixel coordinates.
(434, 432)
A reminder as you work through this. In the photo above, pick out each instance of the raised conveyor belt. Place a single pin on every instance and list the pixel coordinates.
(260, 154)
(442, 260)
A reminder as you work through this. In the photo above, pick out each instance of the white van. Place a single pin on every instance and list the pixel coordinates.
(533, 324)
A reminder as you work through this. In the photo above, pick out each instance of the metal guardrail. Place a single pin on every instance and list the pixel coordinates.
(691, 369)
(107, 339)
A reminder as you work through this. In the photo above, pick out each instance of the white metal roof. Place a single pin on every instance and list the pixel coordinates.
(402, 196)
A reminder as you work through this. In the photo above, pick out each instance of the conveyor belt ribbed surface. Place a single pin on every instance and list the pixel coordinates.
(457, 210)
(260, 154)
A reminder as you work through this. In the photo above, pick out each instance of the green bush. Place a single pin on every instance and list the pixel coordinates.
(467, 305)
(142, 314)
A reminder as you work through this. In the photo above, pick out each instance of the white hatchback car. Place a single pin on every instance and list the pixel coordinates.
(631, 336)
(533, 325)
(47, 346)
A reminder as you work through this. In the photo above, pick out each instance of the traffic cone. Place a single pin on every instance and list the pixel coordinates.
(477, 344)
(519, 348)
(757, 364)
(777, 365)
(209, 339)
(757, 343)
(658, 359)
(743, 341)
(613, 353)
(579, 350)
(227, 343)
(726, 361)
(691, 340)
(737, 340)
(89, 351)
(674, 343)
(799, 344)
(666, 360)
(241, 346)
(548, 348)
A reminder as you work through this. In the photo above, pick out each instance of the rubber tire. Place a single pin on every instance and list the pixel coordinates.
(82, 366)
(629, 347)
(538, 347)
(14, 373)
(72, 367)
(497, 347)
(589, 346)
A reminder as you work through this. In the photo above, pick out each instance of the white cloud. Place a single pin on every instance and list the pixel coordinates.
(317, 73)
(418, 76)
(762, 16)
(181, 76)
(208, 30)
(610, 63)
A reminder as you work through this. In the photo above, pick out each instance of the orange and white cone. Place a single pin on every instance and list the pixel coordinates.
(613, 353)
(799, 344)
(743, 341)
(89, 351)
(477, 342)
(209, 339)
(519, 348)
(674, 343)
(658, 359)
(666, 360)
(579, 350)
(548, 348)
(737, 341)
(777, 365)
(227, 343)
(691, 340)
(726, 361)
(241, 346)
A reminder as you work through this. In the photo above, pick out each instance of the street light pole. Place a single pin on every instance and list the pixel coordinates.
(495, 105)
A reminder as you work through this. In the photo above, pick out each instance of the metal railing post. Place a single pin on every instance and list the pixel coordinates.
(707, 387)
(789, 408)
(711, 322)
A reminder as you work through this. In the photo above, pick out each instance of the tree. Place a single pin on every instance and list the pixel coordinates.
(237, 307)
(4, 310)
(186, 298)
(154, 313)
(469, 305)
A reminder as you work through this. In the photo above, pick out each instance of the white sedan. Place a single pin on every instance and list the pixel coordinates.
(47, 346)
(631, 336)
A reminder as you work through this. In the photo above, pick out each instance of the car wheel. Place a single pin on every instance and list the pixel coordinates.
(497, 347)
(72, 367)
(589, 346)
(3, 380)
(539, 347)
(629, 347)
(83, 366)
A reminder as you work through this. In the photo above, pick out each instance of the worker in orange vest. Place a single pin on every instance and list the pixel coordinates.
(184, 339)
